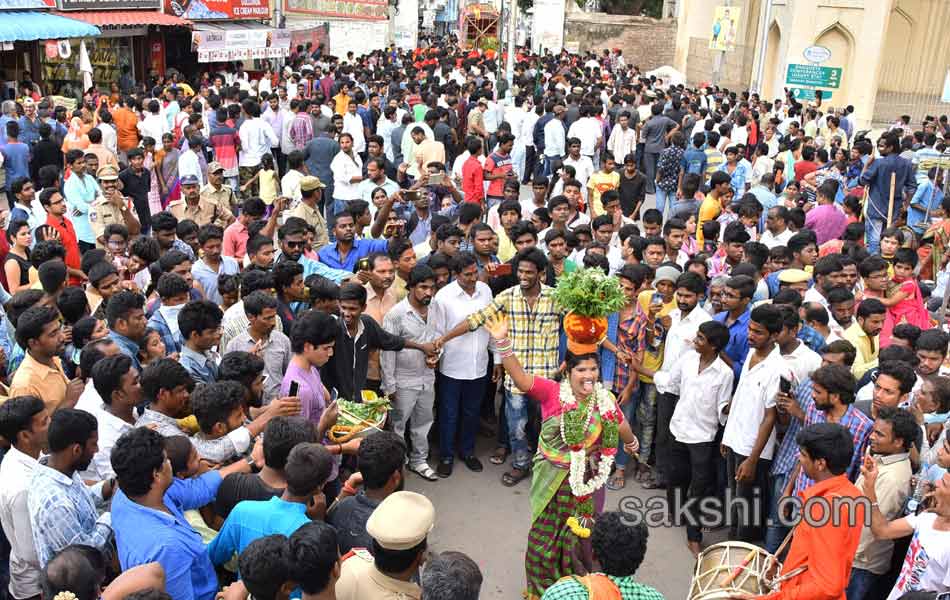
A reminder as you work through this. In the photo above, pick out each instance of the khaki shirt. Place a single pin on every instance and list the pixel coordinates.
(46, 383)
(313, 218)
(103, 213)
(892, 487)
(225, 196)
(207, 211)
(361, 580)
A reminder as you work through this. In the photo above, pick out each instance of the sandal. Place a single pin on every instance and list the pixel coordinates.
(425, 471)
(617, 481)
(650, 483)
(643, 473)
(499, 456)
(514, 476)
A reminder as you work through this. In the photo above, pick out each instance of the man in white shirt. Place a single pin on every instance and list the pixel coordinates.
(463, 369)
(117, 383)
(384, 128)
(800, 359)
(257, 138)
(749, 436)
(189, 163)
(623, 138)
(583, 166)
(347, 170)
(704, 382)
(776, 231)
(554, 138)
(684, 322)
(353, 125)
(109, 137)
(154, 125)
(589, 131)
(290, 182)
(24, 422)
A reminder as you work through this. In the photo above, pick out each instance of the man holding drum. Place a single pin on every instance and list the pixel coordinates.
(824, 542)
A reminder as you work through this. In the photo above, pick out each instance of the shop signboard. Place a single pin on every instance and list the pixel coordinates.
(240, 44)
(372, 10)
(110, 4)
(26, 4)
(203, 10)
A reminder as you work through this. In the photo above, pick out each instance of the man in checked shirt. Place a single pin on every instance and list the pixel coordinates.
(534, 327)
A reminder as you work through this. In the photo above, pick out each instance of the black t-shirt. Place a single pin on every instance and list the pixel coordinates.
(349, 519)
(137, 187)
(632, 191)
(238, 487)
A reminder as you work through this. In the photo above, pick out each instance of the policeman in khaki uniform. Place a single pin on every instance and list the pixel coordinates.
(216, 190)
(201, 211)
(111, 207)
(399, 526)
(308, 209)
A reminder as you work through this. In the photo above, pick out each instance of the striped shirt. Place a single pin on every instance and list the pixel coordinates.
(858, 424)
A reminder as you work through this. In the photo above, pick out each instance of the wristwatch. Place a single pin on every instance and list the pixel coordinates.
(251, 463)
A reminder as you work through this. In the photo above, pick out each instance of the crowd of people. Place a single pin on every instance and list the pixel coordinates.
(196, 272)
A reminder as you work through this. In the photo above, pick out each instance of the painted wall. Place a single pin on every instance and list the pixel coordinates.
(886, 48)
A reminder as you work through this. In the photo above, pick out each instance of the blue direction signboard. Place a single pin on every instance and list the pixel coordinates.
(808, 94)
(813, 76)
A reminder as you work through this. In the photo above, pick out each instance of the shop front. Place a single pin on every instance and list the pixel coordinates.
(25, 28)
(123, 52)
(254, 45)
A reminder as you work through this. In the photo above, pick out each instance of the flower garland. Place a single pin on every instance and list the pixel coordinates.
(573, 425)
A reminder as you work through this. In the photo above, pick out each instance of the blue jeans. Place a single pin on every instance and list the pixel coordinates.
(516, 411)
(875, 225)
(662, 197)
(459, 400)
(860, 583)
(775, 532)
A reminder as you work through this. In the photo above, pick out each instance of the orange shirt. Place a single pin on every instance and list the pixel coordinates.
(828, 551)
(126, 126)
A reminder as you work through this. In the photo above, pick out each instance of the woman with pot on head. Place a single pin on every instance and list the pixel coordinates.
(581, 425)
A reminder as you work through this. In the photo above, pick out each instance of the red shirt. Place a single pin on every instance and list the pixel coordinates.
(828, 551)
(473, 180)
(67, 235)
(804, 167)
(235, 241)
(498, 164)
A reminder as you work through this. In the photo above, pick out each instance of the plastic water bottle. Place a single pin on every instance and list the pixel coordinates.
(913, 503)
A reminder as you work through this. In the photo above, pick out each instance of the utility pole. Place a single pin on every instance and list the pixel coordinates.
(759, 74)
(510, 30)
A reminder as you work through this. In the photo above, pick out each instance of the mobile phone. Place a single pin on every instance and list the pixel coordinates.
(657, 298)
(438, 179)
(502, 269)
(785, 385)
(362, 264)
(294, 388)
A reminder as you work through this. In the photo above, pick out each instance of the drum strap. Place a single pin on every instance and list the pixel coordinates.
(599, 587)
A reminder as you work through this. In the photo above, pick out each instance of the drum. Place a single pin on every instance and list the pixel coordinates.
(730, 567)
